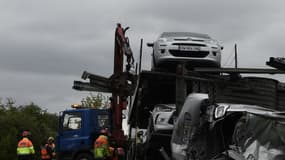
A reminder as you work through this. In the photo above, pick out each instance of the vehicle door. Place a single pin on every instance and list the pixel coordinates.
(70, 130)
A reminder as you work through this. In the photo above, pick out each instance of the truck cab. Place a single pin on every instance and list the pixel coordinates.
(78, 129)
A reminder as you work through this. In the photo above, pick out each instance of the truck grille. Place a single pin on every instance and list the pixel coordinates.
(196, 54)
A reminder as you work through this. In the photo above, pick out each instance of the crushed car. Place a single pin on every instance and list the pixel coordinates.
(258, 133)
(159, 130)
(227, 131)
(184, 125)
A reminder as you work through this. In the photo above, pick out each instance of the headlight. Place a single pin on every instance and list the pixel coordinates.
(162, 40)
(212, 41)
(220, 111)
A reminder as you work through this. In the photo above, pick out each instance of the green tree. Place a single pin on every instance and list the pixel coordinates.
(96, 101)
(15, 119)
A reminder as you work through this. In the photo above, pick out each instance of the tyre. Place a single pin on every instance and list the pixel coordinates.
(84, 156)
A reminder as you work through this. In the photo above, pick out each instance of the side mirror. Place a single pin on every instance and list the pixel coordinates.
(149, 44)
(222, 47)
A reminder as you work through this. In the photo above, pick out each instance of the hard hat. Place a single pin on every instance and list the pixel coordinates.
(50, 139)
(26, 133)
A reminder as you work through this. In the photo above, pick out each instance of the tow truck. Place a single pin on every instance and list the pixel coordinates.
(142, 91)
(80, 127)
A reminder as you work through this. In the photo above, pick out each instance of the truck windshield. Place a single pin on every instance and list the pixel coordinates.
(72, 121)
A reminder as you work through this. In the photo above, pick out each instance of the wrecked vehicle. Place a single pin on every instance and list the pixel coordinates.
(162, 118)
(258, 133)
(227, 131)
(159, 130)
(187, 119)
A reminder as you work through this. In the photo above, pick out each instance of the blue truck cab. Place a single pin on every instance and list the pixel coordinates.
(78, 129)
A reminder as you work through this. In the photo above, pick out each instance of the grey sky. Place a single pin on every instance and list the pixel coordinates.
(46, 44)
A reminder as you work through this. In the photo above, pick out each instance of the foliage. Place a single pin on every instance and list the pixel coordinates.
(15, 119)
(95, 101)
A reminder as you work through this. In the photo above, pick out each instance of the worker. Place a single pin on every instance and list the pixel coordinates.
(48, 150)
(51, 148)
(25, 149)
(101, 146)
(117, 153)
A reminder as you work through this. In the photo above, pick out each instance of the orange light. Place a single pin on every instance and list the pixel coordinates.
(76, 106)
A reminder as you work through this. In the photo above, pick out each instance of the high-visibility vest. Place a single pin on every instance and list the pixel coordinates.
(44, 153)
(102, 140)
(101, 147)
(25, 147)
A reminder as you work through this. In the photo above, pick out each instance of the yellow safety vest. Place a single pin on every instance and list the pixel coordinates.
(25, 147)
(101, 147)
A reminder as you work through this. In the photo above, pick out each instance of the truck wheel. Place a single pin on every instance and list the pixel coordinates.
(84, 156)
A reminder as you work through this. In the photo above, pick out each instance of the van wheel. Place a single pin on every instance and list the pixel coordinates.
(84, 156)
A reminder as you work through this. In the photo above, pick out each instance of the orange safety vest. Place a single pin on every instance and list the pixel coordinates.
(25, 147)
(101, 147)
(101, 141)
(44, 154)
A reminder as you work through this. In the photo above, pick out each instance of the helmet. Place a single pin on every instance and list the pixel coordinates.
(50, 139)
(26, 133)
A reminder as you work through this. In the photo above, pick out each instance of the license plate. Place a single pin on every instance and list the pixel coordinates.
(189, 48)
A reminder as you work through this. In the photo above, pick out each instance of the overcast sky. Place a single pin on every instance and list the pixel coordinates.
(46, 44)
